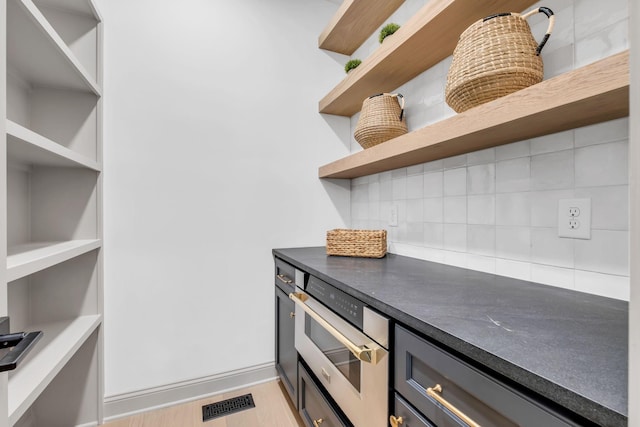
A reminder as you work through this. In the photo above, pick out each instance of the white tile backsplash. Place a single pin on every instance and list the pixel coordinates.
(609, 206)
(415, 211)
(495, 210)
(481, 179)
(513, 175)
(436, 165)
(614, 130)
(516, 269)
(433, 184)
(606, 252)
(455, 237)
(544, 206)
(415, 185)
(552, 171)
(603, 164)
(455, 162)
(554, 276)
(481, 210)
(610, 40)
(513, 209)
(606, 285)
(513, 150)
(455, 210)
(549, 249)
(592, 16)
(481, 157)
(433, 209)
(551, 143)
(455, 182)
(399, 188)
(513, 243)
(481, 240)
(433, 235)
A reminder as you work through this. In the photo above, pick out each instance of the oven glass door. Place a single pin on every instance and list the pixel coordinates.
(351, 366)
(336, 352)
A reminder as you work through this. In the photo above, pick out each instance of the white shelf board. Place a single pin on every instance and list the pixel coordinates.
(30, 258)
(80, 7)
(61, 340)
(38, 53)
(27, 147)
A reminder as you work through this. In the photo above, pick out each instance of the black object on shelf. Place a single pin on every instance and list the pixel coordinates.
(20, 343)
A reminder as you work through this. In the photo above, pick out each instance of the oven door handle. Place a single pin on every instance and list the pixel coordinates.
(362, 352)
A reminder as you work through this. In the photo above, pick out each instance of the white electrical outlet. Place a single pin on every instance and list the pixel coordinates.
(393, 216)
(574, 218)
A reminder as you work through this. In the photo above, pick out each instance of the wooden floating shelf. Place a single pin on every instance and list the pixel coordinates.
(427, 38)
(60, 341)
(354, 22)
(592, 94)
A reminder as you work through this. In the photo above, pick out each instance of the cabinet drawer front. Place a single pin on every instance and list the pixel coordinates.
(410, 417)
(420, 365)
(285, 276)
(312, 404)
(286, 354)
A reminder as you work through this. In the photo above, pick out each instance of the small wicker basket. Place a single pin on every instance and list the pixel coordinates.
(494, 57)
(357, 243)
(381, 119)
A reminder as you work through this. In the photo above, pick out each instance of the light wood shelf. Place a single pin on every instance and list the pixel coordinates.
(60, 341)
(32, 41)
(427, 38)
(27, 147)
(354, 22)
(595, 93)
(23, 260)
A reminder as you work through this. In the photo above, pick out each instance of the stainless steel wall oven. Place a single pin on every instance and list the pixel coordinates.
(345, 344)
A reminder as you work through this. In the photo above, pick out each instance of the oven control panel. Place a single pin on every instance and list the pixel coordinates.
(343, 304)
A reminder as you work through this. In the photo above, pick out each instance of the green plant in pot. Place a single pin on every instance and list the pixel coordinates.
(387, 30)
(351, 64)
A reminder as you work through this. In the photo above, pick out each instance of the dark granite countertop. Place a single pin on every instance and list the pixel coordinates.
(567, 346)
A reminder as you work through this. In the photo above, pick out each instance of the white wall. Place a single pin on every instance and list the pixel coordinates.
(496, 210)
(634, 303)
(212, 144)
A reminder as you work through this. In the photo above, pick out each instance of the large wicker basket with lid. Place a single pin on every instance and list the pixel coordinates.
(494, 57)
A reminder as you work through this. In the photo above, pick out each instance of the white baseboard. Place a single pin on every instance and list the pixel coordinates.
(127, 404)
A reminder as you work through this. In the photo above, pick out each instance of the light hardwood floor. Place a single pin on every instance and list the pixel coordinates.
(272, 410)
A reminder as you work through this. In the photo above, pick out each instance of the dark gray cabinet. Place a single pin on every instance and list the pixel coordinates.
(286, 354)
(457, 386)
(407, 416)
(313, 407)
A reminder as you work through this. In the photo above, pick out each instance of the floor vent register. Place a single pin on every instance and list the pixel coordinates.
(226, 407)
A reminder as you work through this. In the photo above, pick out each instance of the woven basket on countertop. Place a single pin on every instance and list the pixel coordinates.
(357, 243)
(381, 119)
(494, 57)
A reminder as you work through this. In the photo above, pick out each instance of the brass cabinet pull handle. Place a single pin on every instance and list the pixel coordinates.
(395, 422)
(362, 352)
(316, 423)
(284, 279)
(435, 393)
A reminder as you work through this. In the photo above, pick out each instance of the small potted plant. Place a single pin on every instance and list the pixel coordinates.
(387, 30)
(351, 64)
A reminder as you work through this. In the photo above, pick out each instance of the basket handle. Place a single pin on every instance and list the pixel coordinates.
(552, 21)
(401, 102)
(394, 95)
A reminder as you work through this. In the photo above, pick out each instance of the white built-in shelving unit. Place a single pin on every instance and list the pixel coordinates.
(51, 209)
